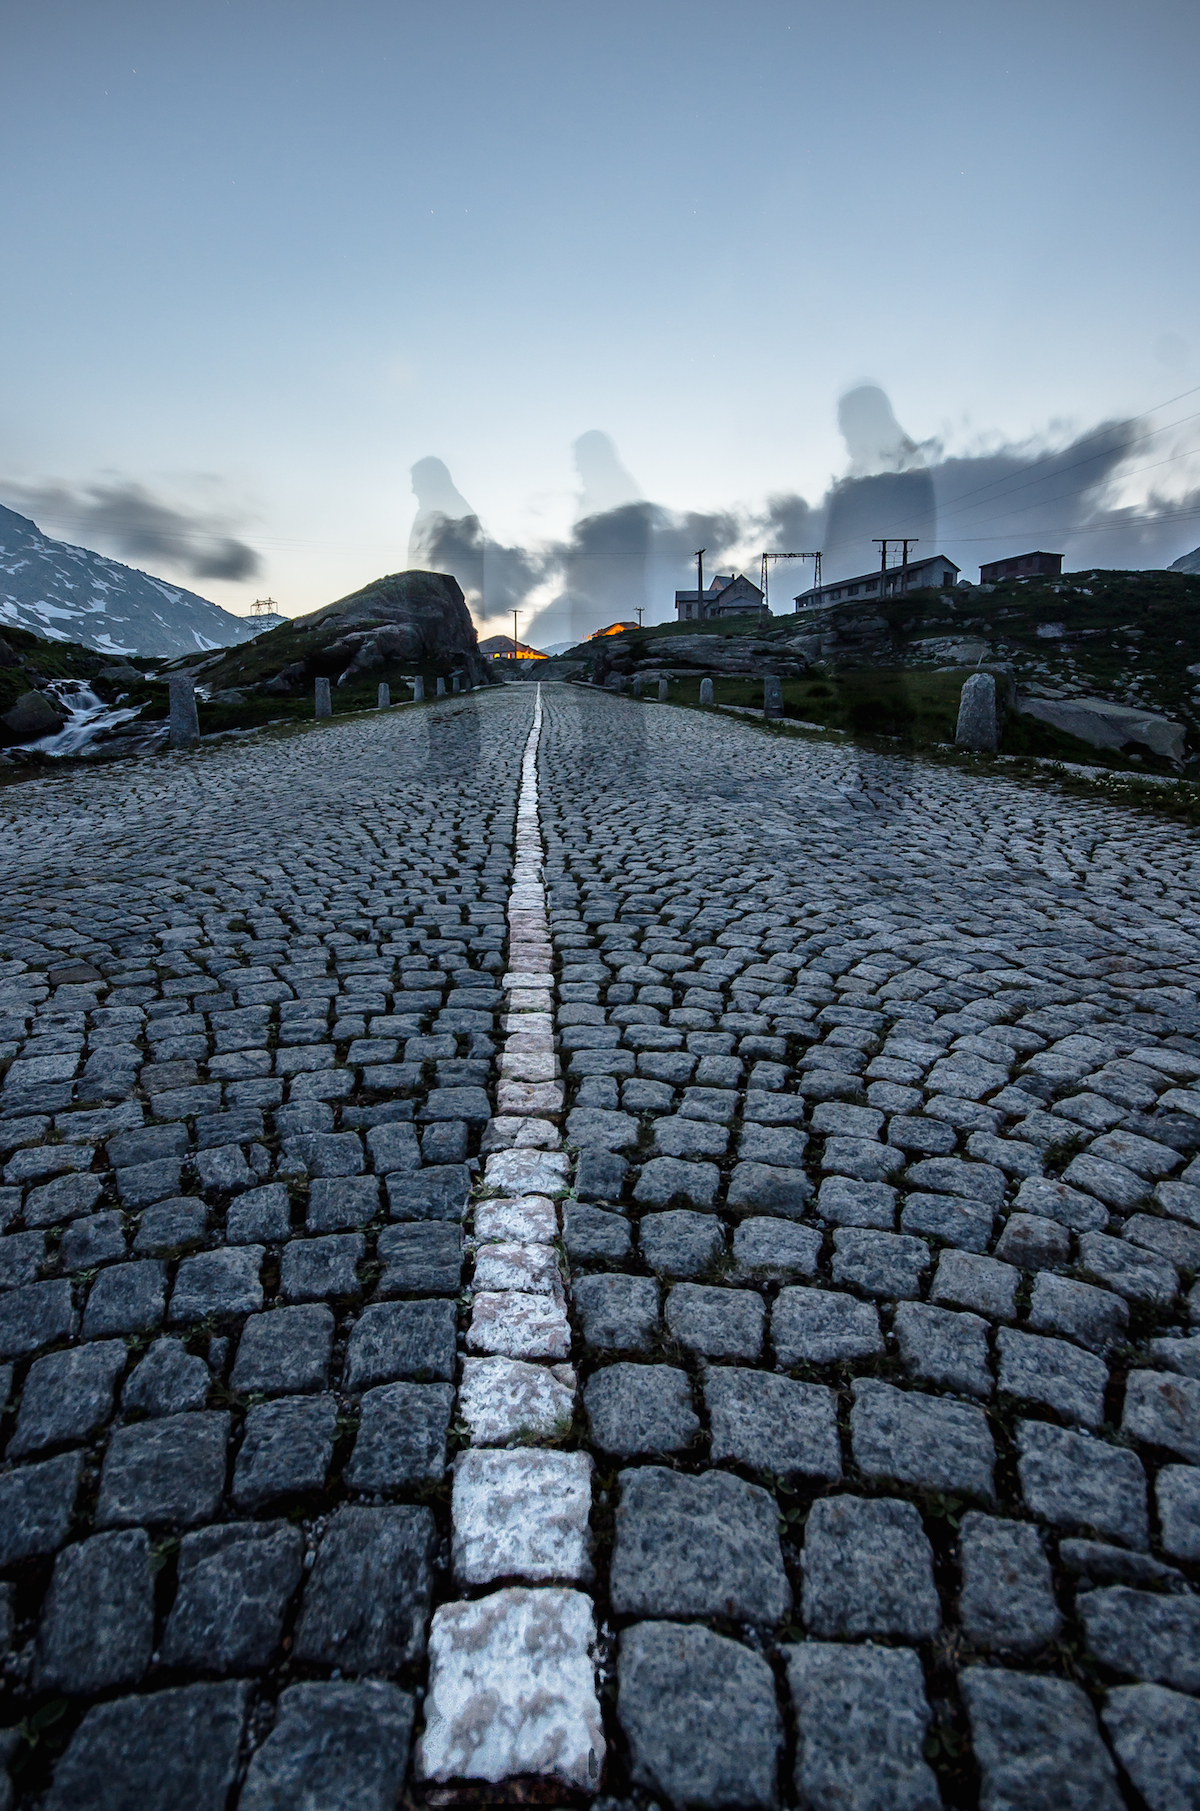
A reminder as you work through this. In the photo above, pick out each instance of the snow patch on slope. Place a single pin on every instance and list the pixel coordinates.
(67, 593)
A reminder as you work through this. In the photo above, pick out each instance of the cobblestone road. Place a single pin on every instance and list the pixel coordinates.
(591, 1242)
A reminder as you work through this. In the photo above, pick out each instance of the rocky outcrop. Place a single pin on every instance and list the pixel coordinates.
(684, 654)
(33, 715)
(407, 618)
(846, 634)
(720, 653)
(1105, 725)
(110, 682)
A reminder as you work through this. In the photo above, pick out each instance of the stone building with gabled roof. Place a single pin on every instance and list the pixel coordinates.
(729, 594)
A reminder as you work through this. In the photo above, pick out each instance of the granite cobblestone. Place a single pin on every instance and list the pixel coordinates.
(819, 1137)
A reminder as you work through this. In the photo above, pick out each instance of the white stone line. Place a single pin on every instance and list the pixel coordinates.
(512, 1683)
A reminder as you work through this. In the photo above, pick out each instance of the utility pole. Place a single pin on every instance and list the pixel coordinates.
(641, 613)
(893, 541)
(515, 615)
(700, 552)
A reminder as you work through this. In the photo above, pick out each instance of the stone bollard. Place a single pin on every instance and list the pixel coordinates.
(418, 686)
(772, 696)
(706, 691)
(441, 687)
(977, 715)
(385, 695)
(185, 719)
(324, 707)
(637, 685)
(662, 690)
(455, 683)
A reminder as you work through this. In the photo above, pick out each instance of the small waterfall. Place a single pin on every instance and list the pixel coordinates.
(87, 731)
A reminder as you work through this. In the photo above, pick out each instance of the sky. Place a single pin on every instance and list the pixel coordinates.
(262, 257)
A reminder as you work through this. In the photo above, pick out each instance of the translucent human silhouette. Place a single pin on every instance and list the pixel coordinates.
(887, 489)
(604, 483)
(604, 563)
(446, 535)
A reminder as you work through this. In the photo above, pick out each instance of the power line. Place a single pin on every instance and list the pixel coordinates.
(1047, 458)
(958, 502)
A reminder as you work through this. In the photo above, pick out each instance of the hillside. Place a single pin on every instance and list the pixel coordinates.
(1129, 638)
(65, 593)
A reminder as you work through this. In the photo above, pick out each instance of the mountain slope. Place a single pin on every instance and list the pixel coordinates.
(1187, 562)
(66, 593)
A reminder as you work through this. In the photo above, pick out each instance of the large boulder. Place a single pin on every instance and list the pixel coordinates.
(32, 717)
(110, 682)
(1107, 725)
(407, 617)
(719, 654)
(404, 616)
(848, 636)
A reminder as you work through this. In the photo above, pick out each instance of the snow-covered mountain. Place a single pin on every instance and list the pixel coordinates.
(67, 593)
(1187, 562)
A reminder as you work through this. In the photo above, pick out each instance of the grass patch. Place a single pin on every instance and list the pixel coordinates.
(913, 706)
(34, 660)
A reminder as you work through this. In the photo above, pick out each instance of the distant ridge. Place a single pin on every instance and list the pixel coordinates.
(1187, 562)
(66, 593)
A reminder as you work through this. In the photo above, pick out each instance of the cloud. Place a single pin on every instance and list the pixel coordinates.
(627, 559)
(1087, 499)
(1066, 499)
(447, 536)
(127, 518)
(495, 579)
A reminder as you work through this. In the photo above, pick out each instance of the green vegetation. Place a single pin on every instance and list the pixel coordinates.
(34, 659)
(1126, 636)
(252, 662)
(357, 694)
(896, 670)
(912, 706)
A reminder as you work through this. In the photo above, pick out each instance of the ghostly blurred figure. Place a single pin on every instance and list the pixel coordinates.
(886, 491)
(604, 482)
(446, 535)
(604, 563)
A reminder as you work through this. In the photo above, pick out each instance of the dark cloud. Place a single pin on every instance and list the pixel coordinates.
(635, 554)
(135, 525)
(1002, 502)
(983, 506)
(447, 536)
(452, 544)
(629, 559)
(495, 579)
(791, 525)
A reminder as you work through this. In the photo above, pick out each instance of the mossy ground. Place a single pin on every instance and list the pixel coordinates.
(290, 707)
(38, 659)
(918, 709)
